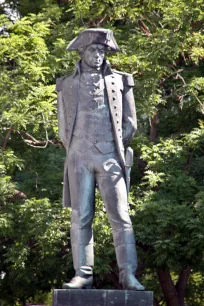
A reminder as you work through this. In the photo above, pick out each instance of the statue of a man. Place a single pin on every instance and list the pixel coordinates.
(97, 119)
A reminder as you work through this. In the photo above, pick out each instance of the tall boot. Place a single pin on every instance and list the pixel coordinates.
(126, 255)
(83, 259)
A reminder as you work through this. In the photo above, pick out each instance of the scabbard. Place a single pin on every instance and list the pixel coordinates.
(128, 166)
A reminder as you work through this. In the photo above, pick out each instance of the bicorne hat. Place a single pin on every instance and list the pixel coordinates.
(94, 36)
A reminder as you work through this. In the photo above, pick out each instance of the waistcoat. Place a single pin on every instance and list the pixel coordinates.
(93, 126)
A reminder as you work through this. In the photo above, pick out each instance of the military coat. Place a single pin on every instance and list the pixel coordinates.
(122, 109)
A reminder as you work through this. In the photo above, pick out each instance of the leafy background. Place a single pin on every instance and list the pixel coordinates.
(162, 46)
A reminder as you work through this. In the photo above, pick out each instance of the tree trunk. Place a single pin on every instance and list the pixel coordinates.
(181, 284)
(168, 288)
(153, 128)
(156, 303)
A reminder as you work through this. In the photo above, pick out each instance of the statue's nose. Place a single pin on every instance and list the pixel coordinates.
(96, 53)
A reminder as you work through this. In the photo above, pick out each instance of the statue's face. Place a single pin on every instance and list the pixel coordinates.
(93, 55)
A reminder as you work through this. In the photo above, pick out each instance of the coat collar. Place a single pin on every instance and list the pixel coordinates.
(106, 68)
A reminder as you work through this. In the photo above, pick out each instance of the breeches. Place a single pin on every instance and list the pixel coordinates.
(84, 171)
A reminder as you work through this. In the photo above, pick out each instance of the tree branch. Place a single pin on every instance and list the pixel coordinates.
(144, 28)
(18, 195)
(189, 161)
(31, 141)
(197, 23)
(178, 76)
(36, 179)
(35, 143)
(30, 137)
(101, 20)
(152, 23)
(6, 139)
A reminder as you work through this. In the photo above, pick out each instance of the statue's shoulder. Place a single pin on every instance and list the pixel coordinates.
(60, 81)
(127, 78)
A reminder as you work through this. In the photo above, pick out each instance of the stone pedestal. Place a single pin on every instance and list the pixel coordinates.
(91, 297)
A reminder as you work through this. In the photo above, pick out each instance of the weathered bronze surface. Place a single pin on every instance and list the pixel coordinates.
(97, 119)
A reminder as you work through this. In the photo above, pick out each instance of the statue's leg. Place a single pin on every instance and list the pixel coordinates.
(114, 194)
(82, 192)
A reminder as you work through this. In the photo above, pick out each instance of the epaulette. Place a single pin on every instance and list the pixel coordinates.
(127, 78)
(59, 82)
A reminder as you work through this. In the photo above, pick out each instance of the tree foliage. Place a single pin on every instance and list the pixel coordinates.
(162, 46)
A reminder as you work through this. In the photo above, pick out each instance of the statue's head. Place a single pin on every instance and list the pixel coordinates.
(92, 45)
(93, 55)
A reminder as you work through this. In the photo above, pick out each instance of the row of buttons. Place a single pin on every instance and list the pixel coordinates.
(115, 107)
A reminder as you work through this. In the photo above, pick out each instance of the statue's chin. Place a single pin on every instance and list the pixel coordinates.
(96, 66)
(92, 64)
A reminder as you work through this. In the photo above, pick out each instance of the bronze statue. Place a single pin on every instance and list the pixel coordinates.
(97, 119)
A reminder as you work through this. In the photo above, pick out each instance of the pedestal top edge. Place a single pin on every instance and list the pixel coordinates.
(107, 290)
